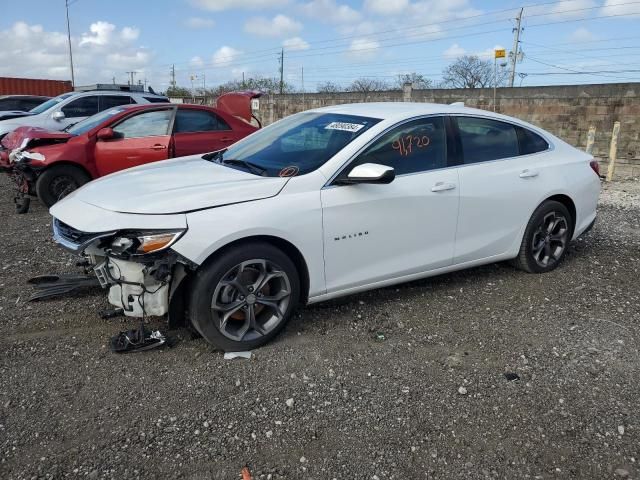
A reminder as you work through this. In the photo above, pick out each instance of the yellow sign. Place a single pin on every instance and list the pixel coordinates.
(500, 53)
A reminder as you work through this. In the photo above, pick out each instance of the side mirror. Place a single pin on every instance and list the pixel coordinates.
(370, 173)
(58, 116)
(106, 134)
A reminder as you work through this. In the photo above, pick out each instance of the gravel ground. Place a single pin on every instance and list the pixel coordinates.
(401, 383)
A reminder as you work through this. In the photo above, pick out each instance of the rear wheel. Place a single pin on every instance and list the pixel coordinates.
(245, 297)
(545, 239)
(59, 181)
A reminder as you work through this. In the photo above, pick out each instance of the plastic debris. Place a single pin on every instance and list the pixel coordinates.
(137, 340)
(232, 355)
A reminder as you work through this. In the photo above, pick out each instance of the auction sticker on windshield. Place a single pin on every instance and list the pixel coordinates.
(347, 127)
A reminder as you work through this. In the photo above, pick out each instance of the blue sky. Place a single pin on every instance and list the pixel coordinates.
(335, 40)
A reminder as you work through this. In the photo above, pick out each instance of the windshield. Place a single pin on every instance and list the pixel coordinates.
(50, 103)
(93, 121)
(297, 145)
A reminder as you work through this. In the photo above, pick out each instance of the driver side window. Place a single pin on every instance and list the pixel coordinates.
(415, 146)
(148, 124)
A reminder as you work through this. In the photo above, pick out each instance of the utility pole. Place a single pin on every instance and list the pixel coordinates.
(131, 79)
(173, 77)
(516, 46)
(243, 84)
(302, 72)
(73, 80)
(282, 71)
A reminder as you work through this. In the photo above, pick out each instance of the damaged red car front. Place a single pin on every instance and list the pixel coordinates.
(51, 164)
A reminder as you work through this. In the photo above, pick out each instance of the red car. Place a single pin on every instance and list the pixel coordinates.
(53, 164)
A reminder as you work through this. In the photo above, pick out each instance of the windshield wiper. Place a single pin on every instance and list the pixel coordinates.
(252, 167)
(65, 129)
(217, 157)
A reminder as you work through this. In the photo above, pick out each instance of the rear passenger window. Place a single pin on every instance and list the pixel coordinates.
(157, 99)
(530, 142)
(416, 146)
(198, 121)
(110, 101)
(483, 139)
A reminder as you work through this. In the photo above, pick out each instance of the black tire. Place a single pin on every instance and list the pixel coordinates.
(58, 181)
(545, 239)
(215, 293)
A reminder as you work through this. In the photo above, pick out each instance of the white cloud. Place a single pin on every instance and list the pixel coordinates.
(363, 49)
(295, 43)
(454, 51)
(220, 5)
(198, 23)
(98, 55)
(614, 7)
(129, 34)
(278, 26)
(563, 10)
(101, 34)
(331, 12)
(386, 7)
(196, 62)
(582, 35)
(225, 55)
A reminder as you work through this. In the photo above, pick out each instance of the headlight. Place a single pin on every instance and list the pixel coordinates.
(141, 243)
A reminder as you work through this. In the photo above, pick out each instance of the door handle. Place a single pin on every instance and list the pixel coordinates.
(526, 173)
(157, 146)
(442, 187)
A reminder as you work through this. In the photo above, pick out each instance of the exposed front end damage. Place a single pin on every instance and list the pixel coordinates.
(140, 283)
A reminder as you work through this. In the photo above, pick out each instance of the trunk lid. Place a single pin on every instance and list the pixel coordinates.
(238, 104)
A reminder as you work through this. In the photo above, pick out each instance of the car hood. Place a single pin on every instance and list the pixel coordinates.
(176, 186)
(21, 137)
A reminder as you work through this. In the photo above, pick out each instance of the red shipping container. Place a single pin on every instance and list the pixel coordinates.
(33, 86)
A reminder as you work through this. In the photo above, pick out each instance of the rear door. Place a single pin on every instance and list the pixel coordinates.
(141, 138)
(501, 181)
(200, 131)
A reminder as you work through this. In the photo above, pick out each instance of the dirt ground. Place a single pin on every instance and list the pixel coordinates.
(400, 383)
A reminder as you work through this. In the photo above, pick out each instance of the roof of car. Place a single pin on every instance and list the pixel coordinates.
(399, 110)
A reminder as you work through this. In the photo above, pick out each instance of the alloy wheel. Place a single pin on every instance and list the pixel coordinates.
(550, 239)
(251, 300)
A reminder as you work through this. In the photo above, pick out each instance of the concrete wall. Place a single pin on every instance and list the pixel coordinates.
(565, 111)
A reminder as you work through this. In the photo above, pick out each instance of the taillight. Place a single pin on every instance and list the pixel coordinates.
(595, 166)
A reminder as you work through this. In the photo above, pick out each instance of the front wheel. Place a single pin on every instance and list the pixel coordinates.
(546, 238)
(245, 297)
(58, 181)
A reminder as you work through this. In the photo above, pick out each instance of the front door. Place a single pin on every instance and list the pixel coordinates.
(139, 139)
(374, 232)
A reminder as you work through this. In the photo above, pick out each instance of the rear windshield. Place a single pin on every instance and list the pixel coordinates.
(94, 120)
(298, 144)
(50, 103)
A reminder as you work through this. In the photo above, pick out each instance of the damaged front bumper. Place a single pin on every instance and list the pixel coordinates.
(139, 285)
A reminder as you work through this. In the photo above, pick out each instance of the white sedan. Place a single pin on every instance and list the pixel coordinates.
(327, 203)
